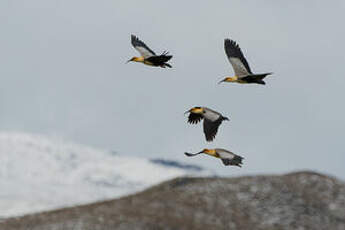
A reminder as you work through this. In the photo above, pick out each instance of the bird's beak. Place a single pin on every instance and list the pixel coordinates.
(187, 111)
(128, 61)
(221, 81)
(192, 154)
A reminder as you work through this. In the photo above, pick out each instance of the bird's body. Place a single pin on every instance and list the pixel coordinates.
(212, 120)
(148, 57)
(227, 157)
(243, 73)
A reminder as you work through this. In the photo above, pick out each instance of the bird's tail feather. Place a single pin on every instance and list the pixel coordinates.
(237, 160)
(225, 119)
(168, 65)
(262, 76)
(258, 78)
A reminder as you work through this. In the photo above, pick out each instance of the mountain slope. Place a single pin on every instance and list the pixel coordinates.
(39, 173)
(303, 200)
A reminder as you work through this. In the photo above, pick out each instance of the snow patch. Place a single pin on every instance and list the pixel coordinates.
(38, 173)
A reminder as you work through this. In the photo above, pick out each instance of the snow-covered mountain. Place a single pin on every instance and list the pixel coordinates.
(41, 173)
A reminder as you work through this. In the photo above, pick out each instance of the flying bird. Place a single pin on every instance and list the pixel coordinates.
(227, 157)
(212, 120)
(243, 74)
(148, 57)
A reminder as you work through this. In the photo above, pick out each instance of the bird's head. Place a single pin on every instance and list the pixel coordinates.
(197, 110)
(211, 152)
(229, 79)
(136, 59)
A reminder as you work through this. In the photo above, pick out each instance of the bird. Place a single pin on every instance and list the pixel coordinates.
(148, 57)
(228, 158)
(243, 74)
(212, 120)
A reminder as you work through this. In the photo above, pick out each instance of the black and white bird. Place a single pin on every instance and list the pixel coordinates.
(148, 57)
(227, 157)
(243, 74)
(212, 120)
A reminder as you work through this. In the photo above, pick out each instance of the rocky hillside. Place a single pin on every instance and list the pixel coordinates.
(303, 200)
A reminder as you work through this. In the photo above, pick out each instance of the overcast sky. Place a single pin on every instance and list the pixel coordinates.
(63, 74)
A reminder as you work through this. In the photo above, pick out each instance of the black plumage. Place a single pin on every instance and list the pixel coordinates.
(255, 78)
(211, 128)
(237, 160)
(194, 118)
(160, 60)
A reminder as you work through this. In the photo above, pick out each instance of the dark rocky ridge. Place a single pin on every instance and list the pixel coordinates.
(302, 200)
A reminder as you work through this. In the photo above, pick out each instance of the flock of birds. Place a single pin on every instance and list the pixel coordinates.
(212, 119)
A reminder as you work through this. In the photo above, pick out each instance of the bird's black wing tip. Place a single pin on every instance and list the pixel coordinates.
(168, 65)
(230, 41)
(194, 118)
(210, 139)
(210, 136)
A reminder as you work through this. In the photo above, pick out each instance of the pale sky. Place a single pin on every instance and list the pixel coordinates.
(63, 73)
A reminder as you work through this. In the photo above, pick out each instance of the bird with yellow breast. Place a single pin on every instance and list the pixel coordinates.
(243, 73)
(148, 57)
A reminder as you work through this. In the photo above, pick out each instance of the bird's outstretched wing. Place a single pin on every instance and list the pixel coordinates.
(140, 46)
(229, 158)
(211, 128)
(194, 118)
(223, 153)
(236, 58)
(226, 161)
(237, 161)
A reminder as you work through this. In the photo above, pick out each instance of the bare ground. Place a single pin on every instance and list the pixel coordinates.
(303, 200)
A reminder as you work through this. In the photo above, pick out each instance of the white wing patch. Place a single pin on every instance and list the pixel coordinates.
(144, 52)
(225, 154)
(239, 68)
(212, 116)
